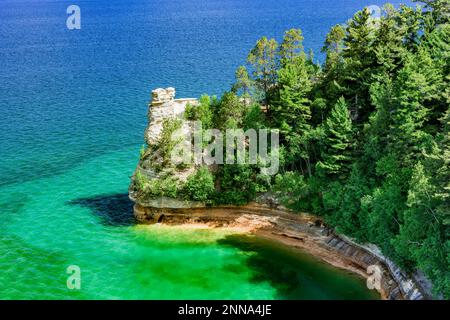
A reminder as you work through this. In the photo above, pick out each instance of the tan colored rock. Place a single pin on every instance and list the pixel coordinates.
(164, 106)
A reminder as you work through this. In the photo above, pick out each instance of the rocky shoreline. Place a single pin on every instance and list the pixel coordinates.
(301, 231)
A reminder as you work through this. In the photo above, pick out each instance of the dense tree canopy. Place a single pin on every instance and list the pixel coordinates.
(364, 138)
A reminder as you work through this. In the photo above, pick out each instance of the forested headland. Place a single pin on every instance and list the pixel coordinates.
(365, 140)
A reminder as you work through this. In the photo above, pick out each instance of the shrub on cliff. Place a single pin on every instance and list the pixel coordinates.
(162, 149)
(297, 192)
(200, 185)
(202, 112)
(238, 184)
(167, 186)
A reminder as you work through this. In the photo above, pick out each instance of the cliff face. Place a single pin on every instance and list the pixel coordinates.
(164, 106)
(163, 110)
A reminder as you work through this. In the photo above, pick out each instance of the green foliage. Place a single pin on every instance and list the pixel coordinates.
(229, 112)
(298, 193)
(345, 205)
(263, 60)
(388, 45)
(338, 142)
(239, 184)
(167, 186)
(359, 62)
(200, 185)
(334, 43)
(254, 118)
(243, 81)
(202, 112)
(291, 111)
(142, 152)
(422, 235)
(291, 48)
(439, 10)
(161, 151)
(140, 181)
(293, 107)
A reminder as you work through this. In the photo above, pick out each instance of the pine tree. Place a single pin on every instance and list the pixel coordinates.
(342, 203)
(334, 43)
(229, 112)
(263, 59)
(422, 238)
(443, 172)
(291, 112)
(414, 86)
(293, 107)
(437, 45)
(292, 46)
(389, 43)
(331, 86)
(439, 164)
(439, 10)
(437, 160)
(409, 22)
(360, 63)
(338, 142)
(243, 81)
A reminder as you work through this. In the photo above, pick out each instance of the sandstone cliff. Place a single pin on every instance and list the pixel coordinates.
(153, 170)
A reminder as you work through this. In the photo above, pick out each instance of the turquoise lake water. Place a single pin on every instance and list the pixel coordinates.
(73, 111)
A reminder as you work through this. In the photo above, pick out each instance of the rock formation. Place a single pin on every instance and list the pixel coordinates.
(163, 106)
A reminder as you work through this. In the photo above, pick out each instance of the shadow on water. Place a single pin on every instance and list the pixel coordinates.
(114, 210)
(268, 264)
(296, 275)
(11, 206)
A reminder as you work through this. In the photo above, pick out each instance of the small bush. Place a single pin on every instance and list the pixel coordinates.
(298, 193)
(202, 112)
(161, 187)
(161, 151)
(200, 186)
(142, 152)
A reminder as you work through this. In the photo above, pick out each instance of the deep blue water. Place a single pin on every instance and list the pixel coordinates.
(68, 95)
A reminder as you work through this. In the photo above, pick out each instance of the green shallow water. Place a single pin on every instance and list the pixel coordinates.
(83, 218)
